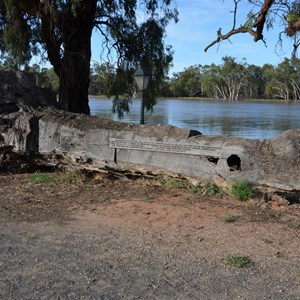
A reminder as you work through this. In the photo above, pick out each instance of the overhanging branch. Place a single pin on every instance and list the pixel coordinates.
(226, 36)
(258, 24)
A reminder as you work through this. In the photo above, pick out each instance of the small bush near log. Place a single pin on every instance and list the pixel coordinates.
(242, 190)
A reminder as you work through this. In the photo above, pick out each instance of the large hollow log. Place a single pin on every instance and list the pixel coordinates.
(273, 164)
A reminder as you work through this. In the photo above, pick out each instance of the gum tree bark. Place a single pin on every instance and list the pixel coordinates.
(74, 68)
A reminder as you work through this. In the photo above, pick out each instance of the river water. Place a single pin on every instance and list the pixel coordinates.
(253, 120)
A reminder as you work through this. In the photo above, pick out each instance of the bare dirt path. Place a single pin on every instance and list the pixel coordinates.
(134, 239)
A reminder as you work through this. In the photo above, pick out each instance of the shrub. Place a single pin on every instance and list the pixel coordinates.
(227, 218)
(238, 261)
(242, 190)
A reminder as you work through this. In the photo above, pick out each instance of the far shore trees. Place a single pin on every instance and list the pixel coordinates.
(233, 80)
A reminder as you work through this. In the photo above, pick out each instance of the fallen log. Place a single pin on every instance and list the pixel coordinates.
(98, 143)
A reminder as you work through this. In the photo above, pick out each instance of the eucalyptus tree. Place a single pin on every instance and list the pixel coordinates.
(268, 72)
(132, 30)
(286, 79)
(295, 79)
(234, 75)
(281, 79)
(212, 82)
(188, 82)
(102, 77)
(226, 80)
(254, 85)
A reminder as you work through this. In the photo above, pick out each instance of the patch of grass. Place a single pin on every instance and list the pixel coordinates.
(209, 189)
(238, 261)
(227, 218)
(293, 223)
(70, 176)
(172, 182)
(203, 189)
(41, 178)
(50, 178)
(242, 190)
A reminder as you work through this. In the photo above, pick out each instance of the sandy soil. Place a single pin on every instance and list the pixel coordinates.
(108, 238)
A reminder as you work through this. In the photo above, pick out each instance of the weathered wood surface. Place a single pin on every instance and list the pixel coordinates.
(95, 142)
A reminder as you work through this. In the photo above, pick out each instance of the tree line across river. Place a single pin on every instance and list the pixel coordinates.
(230, 80)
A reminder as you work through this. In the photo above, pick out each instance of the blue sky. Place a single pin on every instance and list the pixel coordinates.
(199, 21)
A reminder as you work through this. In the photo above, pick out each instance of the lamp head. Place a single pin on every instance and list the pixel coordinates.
(142, 77)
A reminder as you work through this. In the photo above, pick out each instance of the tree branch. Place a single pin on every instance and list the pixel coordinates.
(226, 36)
(258, 24)
(261, 19)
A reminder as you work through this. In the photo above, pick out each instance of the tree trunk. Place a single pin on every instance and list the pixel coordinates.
(74, 84)
(71, 59)
(75, 65)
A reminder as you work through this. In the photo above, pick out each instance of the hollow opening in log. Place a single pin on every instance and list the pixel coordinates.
(290, 197)
(212, 159)
(234, 163)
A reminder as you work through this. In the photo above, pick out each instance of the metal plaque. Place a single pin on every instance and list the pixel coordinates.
(185, 148)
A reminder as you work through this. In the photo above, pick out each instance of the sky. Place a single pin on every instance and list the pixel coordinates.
(198, 23)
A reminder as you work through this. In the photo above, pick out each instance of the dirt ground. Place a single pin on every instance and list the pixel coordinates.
(118, 238)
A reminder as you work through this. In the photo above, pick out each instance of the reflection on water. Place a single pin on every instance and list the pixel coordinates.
(254, 120)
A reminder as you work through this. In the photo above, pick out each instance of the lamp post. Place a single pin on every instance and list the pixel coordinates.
(142, 77)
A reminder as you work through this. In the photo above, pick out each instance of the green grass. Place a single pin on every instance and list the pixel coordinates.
(209, 189)
(172, 182)
(56, 178)
(238, 261)
(203, 189)
(227, 218)
(242, 190)
(294, 223)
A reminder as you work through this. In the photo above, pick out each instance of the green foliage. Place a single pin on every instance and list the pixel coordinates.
(234, 80)
(55, 31)
(208, 189)
(103, 79)
(294, 13)
(227, 218)
(250, 20)
(121, 106)
(238, 261)
(54, 178)
(41, 178)
(294, 223)
(173, 182)
(292, 18)
(45, 78)
(241, 190)
(187, 82)
(202, 189)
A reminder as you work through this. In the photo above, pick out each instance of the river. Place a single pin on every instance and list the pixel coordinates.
(253, 120)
